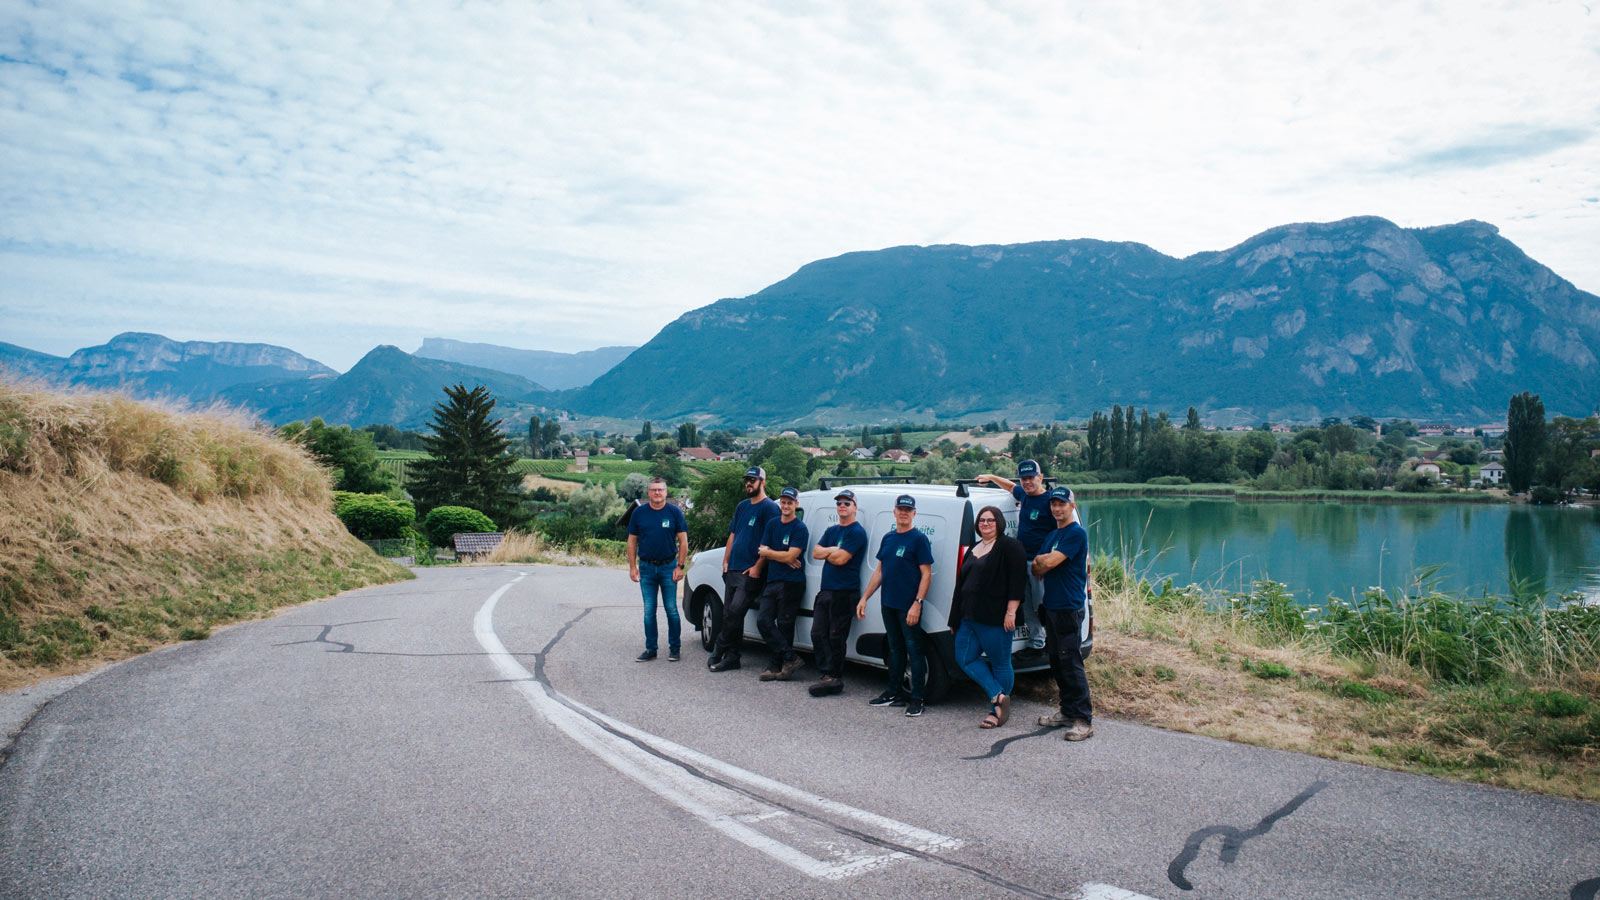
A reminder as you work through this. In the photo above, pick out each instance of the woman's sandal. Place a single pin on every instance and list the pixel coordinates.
(1003, 707)
(993, 719)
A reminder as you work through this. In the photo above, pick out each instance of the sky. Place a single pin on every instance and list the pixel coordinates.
(329, 177)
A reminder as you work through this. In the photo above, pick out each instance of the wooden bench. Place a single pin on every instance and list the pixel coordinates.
(470, 546)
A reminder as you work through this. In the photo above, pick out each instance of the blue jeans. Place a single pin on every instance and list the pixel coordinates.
(974, 642)
(905, 641)
(651, 577)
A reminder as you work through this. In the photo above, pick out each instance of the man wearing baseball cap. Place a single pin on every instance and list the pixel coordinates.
(1063, 566)
(742, 567)
(1034, 524)
(840, 549)
(782, 546)
(905, 569)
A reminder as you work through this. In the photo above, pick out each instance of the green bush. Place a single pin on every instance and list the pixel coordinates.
(373, 516)
(444, 521)
(1544, 493)
(566, 531)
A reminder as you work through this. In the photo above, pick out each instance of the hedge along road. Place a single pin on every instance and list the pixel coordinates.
(485, 732)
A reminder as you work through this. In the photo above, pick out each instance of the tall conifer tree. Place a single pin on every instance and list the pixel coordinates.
(469, 462)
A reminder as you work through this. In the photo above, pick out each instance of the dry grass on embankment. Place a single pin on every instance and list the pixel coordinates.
(1189, 668)
(125, 526)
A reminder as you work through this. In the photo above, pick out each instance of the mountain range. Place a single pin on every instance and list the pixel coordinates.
(151, 365)
(556, 371)
(1358, 316)
(1302, 321)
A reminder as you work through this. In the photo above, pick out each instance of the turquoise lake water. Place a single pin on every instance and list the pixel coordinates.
(1339, 548)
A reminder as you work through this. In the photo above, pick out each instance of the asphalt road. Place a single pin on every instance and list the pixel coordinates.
(485, 732)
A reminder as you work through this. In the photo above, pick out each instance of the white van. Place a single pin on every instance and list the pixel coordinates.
(945, 513)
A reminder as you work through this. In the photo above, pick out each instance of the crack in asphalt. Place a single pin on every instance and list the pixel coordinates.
(1232, 838)
(1001, 745)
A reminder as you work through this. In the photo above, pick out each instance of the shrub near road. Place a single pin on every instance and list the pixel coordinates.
(124, 526)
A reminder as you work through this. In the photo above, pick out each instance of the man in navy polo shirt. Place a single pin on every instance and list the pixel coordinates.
(840, 549)
(658, 553)
(1063, 566)
(742, 568)
(782, 546)
(905, 569)
(1034, 524)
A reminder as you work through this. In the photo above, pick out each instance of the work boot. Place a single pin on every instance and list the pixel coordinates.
(826, 686)
(790, 666)
(1054, 720)
(771, 672)
(1079, 730)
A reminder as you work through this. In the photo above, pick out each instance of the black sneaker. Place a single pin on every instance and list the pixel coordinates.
(645, 656)
(713, 660)
(725, 665)
(886, 698)
(914, 707)
(673, 655)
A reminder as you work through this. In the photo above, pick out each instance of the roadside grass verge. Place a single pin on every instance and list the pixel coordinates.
(1503, 692)
(126, 525)
(532, 547)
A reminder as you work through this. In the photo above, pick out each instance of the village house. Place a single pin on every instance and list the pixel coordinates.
(898, 456)
(1493, 473)
(864, 453)
(1432, 428)
(691, 454)
(1429, 467)
(814, 452)
(580, 461)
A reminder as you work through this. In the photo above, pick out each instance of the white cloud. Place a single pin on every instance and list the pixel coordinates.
(569, 175)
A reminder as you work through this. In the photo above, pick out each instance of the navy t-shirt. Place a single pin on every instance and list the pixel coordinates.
(657, 530)
(852, 539)
(1066, 584)
(1034, 522)
(900, 560)
(749, 523)
(780, 537)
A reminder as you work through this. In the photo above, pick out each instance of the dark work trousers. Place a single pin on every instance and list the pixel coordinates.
(779, 603)
(830, 628)
(739, 593)
(1063, 644)
(905, 645)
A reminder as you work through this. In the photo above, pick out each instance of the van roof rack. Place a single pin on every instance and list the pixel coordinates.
(828, 483)
(962, 483)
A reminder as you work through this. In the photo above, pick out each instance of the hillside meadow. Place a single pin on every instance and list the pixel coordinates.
(125, 526)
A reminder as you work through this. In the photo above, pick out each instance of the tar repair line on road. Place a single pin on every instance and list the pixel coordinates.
(764, 814)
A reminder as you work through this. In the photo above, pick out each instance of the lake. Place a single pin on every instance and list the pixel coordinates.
(1341, 548)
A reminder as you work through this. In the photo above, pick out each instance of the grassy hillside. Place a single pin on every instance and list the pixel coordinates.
(124, 526)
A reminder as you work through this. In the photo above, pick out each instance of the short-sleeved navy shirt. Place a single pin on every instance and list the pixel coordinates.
(657, 530)
(852, 539)
(1065, 586)
(1034, 521)
(781, 536)
(901, 556)
(749, 523)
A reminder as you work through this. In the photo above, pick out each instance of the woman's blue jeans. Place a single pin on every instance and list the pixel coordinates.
(651, 577)
(984, 653)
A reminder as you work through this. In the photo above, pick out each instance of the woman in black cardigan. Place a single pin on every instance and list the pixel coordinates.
(990, 585)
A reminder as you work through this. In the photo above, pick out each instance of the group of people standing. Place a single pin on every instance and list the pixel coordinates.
(1044, 567)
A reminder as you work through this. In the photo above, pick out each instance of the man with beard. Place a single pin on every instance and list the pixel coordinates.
(743, 569)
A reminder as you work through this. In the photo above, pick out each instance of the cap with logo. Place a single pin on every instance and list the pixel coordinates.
(846, 495)
(756, 472)
(906, 500)
(1027, 469)
(789, 492)
(1064, 494)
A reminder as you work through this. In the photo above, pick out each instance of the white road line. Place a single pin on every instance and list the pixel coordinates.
(724, 809)
(729, 811)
